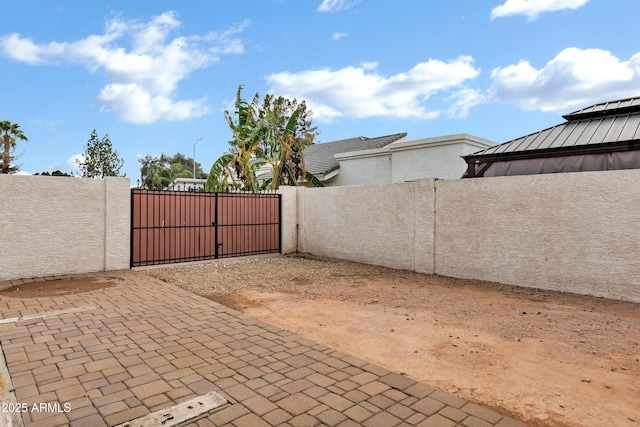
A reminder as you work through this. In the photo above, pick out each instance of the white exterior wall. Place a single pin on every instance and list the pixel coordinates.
(368, 169)
(405, 161)
(442, 162)
(62, 225)
(187, 184)
(389, 225)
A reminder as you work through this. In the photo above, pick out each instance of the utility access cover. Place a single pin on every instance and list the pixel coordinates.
(178, 414)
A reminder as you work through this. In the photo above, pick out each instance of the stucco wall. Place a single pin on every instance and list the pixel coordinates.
(577, 232)
(60, 225)
(441, 161)
(389, 225)
(289, 216)
(403, 161)
(365, 169)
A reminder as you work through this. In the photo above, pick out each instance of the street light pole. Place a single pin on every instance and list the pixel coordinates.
(194, 158)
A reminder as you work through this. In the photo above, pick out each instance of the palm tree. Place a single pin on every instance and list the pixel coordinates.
(10, 131)
(171, 173)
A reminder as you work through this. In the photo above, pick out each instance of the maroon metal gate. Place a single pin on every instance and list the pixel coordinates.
(180, 226)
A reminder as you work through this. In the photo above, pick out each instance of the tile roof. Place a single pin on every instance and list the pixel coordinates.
(614, 122)
(319, 158)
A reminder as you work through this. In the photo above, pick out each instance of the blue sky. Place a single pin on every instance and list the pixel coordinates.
(156, 75)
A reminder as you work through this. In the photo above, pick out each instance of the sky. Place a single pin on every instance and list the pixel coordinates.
(157, 75)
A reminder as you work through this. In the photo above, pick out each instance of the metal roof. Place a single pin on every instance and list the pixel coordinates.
(604, 108)
(600, 127)
(319, 158)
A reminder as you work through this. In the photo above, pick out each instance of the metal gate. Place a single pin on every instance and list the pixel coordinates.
(180, 226)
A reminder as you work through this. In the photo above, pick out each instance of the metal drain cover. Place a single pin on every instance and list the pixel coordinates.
(175, 415)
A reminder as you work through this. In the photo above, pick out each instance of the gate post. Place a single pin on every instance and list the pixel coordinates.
(215, 225)
(280, 224)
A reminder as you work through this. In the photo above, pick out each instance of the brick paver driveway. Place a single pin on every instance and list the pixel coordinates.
(113, 355)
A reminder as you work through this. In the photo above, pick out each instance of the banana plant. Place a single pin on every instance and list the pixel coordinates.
(259, 138)
(287, 152)
(244, 149)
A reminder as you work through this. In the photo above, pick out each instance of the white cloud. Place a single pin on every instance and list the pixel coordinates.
(338, 36)
(224, 42)
(572, 79)
(336, 5)
(370, 65)
(534, 8)
(144, 76)
(359, 93)
(68, 166)
(464, 101)
(136, 105)
(24, 50)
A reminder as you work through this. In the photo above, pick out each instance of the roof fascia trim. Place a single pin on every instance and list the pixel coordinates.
(361, 154)
(442, 140)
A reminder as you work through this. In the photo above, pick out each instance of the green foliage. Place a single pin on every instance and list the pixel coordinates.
(10, 132)
(274, 133)
(157, 172)
(54, 173)
(247, 131)
(220, 174)
(310, 178)
(286, 146)
(278, 111)
(100, 159)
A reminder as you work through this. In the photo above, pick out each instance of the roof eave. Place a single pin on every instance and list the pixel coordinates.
(606, 147)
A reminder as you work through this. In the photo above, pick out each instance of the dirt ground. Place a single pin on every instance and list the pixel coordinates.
(51, 288)
(545, 358)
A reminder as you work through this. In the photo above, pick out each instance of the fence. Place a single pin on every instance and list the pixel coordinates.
(180, 226)
(574, 232)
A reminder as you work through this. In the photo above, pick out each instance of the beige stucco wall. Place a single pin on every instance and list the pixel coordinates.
(575, 232)
(389, 225)
(61, 225)
(289, 214)
(117, 223)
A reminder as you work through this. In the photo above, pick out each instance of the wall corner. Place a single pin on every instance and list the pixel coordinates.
(117, 223)
(289, 217)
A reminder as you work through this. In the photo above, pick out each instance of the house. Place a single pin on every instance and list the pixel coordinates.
(187, 184)
(320, 159)
(604, 136)
(382, 160)
(402, 161)
(390, 158)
